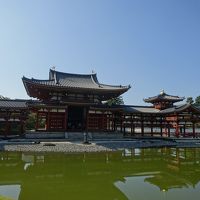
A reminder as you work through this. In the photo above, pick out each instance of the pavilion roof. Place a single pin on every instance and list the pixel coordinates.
(74, 81)
(13, 104)
(164, 97)
(131, 109)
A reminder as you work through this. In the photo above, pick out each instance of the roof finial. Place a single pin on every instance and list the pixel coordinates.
(53, 68)
(93, 72)
(162, 92)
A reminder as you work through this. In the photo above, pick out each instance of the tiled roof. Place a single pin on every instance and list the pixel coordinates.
(149, 110)
(67, 80)
(140, 109)
(174, 109)
(2, 97)
(16, 104)
(164, 97)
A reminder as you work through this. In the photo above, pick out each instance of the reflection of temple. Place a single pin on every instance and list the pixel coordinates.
(178, 167)
(57, 177)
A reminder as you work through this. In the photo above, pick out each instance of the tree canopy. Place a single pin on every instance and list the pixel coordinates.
(197, 101)
(190, 100)
(115, 101)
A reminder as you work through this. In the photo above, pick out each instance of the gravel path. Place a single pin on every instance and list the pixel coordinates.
(98, 146)
(56, 147)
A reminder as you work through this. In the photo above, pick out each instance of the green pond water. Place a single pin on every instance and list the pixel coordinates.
(138, 174)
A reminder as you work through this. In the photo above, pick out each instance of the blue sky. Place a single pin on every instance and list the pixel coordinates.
(149, 44)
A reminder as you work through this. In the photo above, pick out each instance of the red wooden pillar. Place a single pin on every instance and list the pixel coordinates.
(48, 120)
(21, 127)
(131, 125)
(65, 119)
(108, 121)
(161, 128)
(124, 125)
(121, 122)
(151, 126)
(86, 119)
(134, 124)
(7, 123)
(193, 130)
(21, 118)
(104, 126)
(112, 122)
(115, 122)
(169, 134)
(168, 129)
(36, 126)
(177, 127)
(133, 133)
(142, 126)
(184, 130)
(6, 128)
(151, 129)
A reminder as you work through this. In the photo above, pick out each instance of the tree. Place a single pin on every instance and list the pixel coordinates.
(197, 101)
(31, 121)
(190, 100)
(115, 101)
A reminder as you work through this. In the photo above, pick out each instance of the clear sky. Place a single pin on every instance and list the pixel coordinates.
(149, 44)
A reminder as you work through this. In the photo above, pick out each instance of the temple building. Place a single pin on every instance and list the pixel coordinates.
(65, 101)
(75, 103)
(163, 100)
(13, 115)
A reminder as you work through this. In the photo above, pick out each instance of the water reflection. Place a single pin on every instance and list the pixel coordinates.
(167, 173)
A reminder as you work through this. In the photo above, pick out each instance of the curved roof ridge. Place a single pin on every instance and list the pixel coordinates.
(94, 79)
(117, 86)
(162, 97)
(34, 79)
(71, 74)
(182, 105)
(176, 96)
(17, 100)
(86, 83)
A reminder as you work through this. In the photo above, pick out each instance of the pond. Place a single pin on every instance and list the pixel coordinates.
(136, 174)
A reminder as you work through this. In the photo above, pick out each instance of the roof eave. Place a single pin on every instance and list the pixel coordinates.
(24, 80)
(120, 90)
